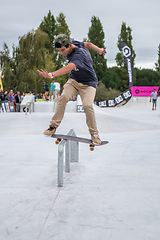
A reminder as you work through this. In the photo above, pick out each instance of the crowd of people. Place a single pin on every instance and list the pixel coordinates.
(14, 100)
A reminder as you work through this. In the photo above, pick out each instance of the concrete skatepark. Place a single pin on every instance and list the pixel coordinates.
(112, 193)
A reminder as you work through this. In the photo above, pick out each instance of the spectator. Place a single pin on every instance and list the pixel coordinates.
(57, 89)
(46, 89)
(1, 95)
(52, 90)
(41, 96)
(22, 96)
(18, 101)
(12, 101)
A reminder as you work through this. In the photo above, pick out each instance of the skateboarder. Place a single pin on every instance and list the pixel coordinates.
(82, 80)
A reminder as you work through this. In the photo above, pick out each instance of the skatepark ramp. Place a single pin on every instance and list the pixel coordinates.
(138, 102)
(71, 155)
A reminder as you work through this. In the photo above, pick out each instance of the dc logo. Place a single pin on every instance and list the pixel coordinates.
(126, 51)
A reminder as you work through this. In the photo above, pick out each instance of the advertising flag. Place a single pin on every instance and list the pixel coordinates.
(128, 59)
(1, 86)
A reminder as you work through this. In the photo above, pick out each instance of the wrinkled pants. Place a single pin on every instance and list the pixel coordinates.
(87, 93)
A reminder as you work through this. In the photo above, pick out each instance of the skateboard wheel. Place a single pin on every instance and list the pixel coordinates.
(57, 141)
(91, 148)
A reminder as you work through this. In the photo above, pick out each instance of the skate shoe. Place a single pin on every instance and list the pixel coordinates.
(50, 131)
(96, 139)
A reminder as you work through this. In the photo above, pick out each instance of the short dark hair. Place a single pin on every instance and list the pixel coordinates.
(58, 45)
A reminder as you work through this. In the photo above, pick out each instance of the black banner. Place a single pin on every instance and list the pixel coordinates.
(128, 59)
(115, 101)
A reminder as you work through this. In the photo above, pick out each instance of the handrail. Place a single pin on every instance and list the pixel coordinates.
(71, 155)
(29, 103)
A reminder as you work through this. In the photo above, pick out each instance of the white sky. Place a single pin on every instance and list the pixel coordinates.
(18, 17)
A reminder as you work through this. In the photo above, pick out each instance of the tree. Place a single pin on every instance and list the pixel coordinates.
(157, 65)
(104, 93)
(20, 71)
(6, 63)
(147, 77)
(33, 55)
(48, 25)
(111, 79)
(96, 36)
(53, 28)
(125, 36)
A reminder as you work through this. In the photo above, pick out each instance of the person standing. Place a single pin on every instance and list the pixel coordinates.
(46, 89)
(57, 89)
(82, 80)
(51, 90)
(154, 99)
(11, 101)
(18, 101)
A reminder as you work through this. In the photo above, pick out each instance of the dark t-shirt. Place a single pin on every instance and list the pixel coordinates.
(46, 88)
(84, 72)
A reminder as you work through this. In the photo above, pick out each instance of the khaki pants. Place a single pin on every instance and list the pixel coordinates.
(87, 93)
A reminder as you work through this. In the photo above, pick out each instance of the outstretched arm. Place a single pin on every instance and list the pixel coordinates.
(60, 72)
(89, 45)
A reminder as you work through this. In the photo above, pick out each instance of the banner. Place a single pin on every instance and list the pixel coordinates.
(143, 91)
(1, 86)
(128, 59)
(115, 101)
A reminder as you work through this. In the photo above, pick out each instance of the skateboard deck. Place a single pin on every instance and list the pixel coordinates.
(59, 137)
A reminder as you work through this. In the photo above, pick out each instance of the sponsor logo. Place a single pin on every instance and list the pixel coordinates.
(102, 104)
(119, 99)
(126, 95)
(129, 69)
(80, 108)
(137, 91)
(111, 103)
(126, 51)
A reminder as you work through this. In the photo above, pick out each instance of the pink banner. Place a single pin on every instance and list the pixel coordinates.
(143, 91)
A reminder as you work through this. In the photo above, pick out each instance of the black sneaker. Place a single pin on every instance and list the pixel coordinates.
(50, 131)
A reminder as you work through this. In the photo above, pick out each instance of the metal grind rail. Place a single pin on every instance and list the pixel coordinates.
(71, 155)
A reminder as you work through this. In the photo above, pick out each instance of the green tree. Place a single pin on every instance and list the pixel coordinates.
(111, 79)
(147, 77)
(157, 65)
(48, 25)
(33, 55)
(7, 67)
(125, 36)
(96, 36)
(54, 27)
(104, 93)
(20, 71)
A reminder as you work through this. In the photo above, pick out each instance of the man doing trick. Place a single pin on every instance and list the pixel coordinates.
(82, 80)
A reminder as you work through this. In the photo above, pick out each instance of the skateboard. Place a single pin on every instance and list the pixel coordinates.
(59, 137)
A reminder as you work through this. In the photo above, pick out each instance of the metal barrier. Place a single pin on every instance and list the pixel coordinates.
(71, 155)
(29, 103)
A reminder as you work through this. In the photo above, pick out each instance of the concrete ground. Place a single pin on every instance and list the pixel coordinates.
(112, 193)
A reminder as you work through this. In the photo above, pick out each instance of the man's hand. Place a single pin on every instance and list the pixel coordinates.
(102, 51)
(43, 73)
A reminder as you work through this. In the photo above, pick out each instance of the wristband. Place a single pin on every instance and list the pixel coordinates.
(51, 75)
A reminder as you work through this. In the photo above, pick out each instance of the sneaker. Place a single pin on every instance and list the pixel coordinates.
(50, 131)
(95, 138)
